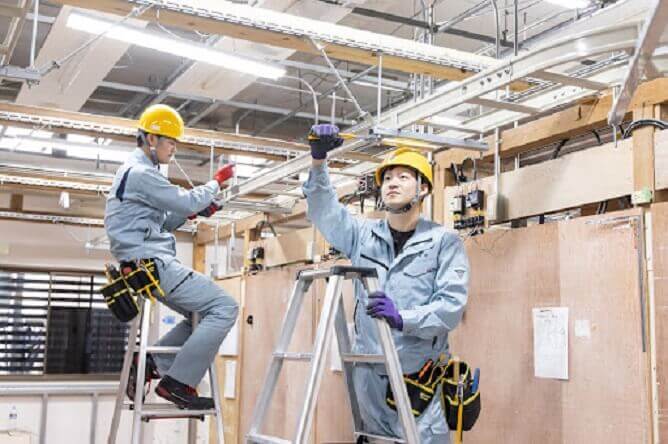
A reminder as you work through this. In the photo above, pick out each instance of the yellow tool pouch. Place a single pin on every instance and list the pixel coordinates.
(118, 296)
(421, 387)
(142, 276)
(460, 397)
(134, 278)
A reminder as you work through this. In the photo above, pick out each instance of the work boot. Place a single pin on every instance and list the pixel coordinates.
(150, 373)
(184, 396)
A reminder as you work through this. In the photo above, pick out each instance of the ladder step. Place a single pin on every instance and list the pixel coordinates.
(294, 356)
(170, 411)
(266, 439)
(350, 357)
(162, 349)
(391, 439)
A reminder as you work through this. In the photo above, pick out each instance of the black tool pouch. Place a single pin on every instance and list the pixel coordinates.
(419, 395)
(118, 296)
(421, 386)
(143, 278)
(463, 407)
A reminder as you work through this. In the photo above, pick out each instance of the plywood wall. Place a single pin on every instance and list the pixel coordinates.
(266, 300)
(592, 266)
(660, 267)
(230, 407)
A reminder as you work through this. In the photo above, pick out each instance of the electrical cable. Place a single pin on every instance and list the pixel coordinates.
(660, 124)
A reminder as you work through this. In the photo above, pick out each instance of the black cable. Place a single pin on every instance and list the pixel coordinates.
(660, 124)
(598, 137)
(557, 150)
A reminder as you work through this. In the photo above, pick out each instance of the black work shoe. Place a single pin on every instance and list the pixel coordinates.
(150, 373)
(184, 396)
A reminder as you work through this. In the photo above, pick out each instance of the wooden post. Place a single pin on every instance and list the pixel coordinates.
(199, 257)
(643, 155)
(16, 202)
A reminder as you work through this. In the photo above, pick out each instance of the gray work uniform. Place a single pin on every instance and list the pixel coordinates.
(143, 208)
(427, 281)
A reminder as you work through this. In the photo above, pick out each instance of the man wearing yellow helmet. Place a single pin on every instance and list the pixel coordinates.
(422, 271)
(143, 209)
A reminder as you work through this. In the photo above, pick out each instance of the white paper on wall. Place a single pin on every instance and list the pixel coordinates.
(229, 391)
(550, 342)
(230, 346)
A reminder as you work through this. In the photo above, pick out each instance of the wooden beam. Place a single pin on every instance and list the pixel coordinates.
(276, 39)
(573, 121)
(11, 11)
(571, 181)
(16, 202)
(128, 126)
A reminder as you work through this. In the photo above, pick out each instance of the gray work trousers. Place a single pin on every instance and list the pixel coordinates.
(187, 291)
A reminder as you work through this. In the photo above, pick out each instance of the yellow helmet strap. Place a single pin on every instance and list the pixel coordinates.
(409, 206)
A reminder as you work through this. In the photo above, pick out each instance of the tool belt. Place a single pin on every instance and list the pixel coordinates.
(460, 397)
(135, 278)
(421, 386)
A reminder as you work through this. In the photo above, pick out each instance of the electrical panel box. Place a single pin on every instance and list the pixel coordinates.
(475, 199)
(366, 185)
(457, 205)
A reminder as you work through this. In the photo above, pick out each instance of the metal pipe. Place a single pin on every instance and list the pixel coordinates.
(93, 418)
(238, 122)
(212, 155)
(443, 26)
(42, 419)
(380, 86)
(516, 26)
(33, 43)
(315, 96)
(294, 112)
(320, 48)
(498, 31)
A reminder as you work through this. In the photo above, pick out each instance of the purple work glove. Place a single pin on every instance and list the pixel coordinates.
(382, 307)
(323, 138)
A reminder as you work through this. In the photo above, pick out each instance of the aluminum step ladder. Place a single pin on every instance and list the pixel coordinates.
(145, 412)
(332, 316)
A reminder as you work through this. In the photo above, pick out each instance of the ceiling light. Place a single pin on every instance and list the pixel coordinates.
(570, 4)
(169, 45)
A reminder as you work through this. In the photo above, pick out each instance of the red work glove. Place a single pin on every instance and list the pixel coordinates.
(224, 173)
(207, 212)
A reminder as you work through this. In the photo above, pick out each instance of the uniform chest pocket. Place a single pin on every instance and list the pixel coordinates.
(420, 263)
(420, 269)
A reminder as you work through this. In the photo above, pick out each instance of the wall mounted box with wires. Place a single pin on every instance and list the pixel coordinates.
(475, 199)
(366, 186)
(457, 204)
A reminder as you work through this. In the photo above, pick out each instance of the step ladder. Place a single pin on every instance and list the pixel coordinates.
(332, 316)
(145, 412)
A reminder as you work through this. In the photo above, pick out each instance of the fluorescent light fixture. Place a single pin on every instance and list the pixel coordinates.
(570, 4)
(169, 45)
(78, 152)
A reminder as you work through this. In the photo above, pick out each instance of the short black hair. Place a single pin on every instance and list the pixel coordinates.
(141, 136)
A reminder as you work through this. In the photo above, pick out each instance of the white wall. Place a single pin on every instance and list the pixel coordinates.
(58, 246)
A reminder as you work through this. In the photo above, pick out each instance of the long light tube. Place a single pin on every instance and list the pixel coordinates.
(570, 4)
(170, 45)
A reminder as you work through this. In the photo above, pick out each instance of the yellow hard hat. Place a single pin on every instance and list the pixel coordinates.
(162, 120)
(410, 158)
